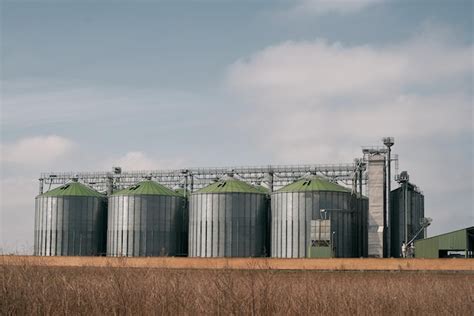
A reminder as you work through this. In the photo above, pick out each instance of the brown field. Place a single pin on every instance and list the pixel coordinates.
(359, 264)
(132, 286)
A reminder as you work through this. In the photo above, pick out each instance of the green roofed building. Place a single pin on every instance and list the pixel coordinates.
(228, 218)
(459, 243)
(146, 219)
(313, 217)
(70, 220)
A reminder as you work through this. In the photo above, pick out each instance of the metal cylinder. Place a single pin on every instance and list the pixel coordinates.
(228, 219)
(145, 220)
(407, 210)
(296, 205)
(292, 213)
(70, 221)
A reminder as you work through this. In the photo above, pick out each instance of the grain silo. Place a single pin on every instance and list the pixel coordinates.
(313, 217)
(228, 219)
(145, 220)
(407, 209)
(70, 221)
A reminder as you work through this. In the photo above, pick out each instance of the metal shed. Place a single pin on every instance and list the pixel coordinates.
(459, 243)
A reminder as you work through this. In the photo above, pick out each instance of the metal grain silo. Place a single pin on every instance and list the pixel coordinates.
(313, 212)
(228, 219)
(145, 220)
(70, 221)
(406, 212)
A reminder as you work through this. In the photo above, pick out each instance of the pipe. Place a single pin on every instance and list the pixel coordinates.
(270, 176)
(406, 211)
(387, 216)
(186, 185)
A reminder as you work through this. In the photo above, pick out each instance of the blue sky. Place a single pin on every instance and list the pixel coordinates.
(165, 84)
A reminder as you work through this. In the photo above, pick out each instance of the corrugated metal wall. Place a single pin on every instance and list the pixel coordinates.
(361, 222)
(228, 225)
(145, 225)
(430, 247)
(344, 233)
(70, 226)
(292, 213)
(416, 211)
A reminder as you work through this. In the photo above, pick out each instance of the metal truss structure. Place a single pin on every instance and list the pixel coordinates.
(352, 175)
(272, 176)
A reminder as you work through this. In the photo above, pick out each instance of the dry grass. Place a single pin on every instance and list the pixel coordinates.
(41, 290)
(346, 264)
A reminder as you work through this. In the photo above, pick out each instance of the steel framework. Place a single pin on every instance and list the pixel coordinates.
(272, 176)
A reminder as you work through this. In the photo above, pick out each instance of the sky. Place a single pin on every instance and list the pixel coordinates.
(87, 85)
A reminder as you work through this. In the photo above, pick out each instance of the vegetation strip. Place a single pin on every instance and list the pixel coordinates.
(250, 263)
(43, 290)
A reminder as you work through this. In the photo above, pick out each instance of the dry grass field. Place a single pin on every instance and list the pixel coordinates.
(116, 287)
(359, 264)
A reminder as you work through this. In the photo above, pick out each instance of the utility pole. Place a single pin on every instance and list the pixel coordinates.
(270, 181)
(186, 180)
(388, 142)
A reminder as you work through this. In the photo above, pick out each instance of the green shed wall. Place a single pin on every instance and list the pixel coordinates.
(430, 247)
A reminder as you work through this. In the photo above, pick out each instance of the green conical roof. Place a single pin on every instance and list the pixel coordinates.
(262, 189)
(230, 185)
(147, 187)
(181, 192)
(313, 183)
(73, 189)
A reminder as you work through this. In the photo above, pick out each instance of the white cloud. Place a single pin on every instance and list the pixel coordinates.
(20, 164)
(357, 92)
(137, 160)
(319, 100)
(308, 71)
(17, 213)
(320, 7)
(36, 150)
